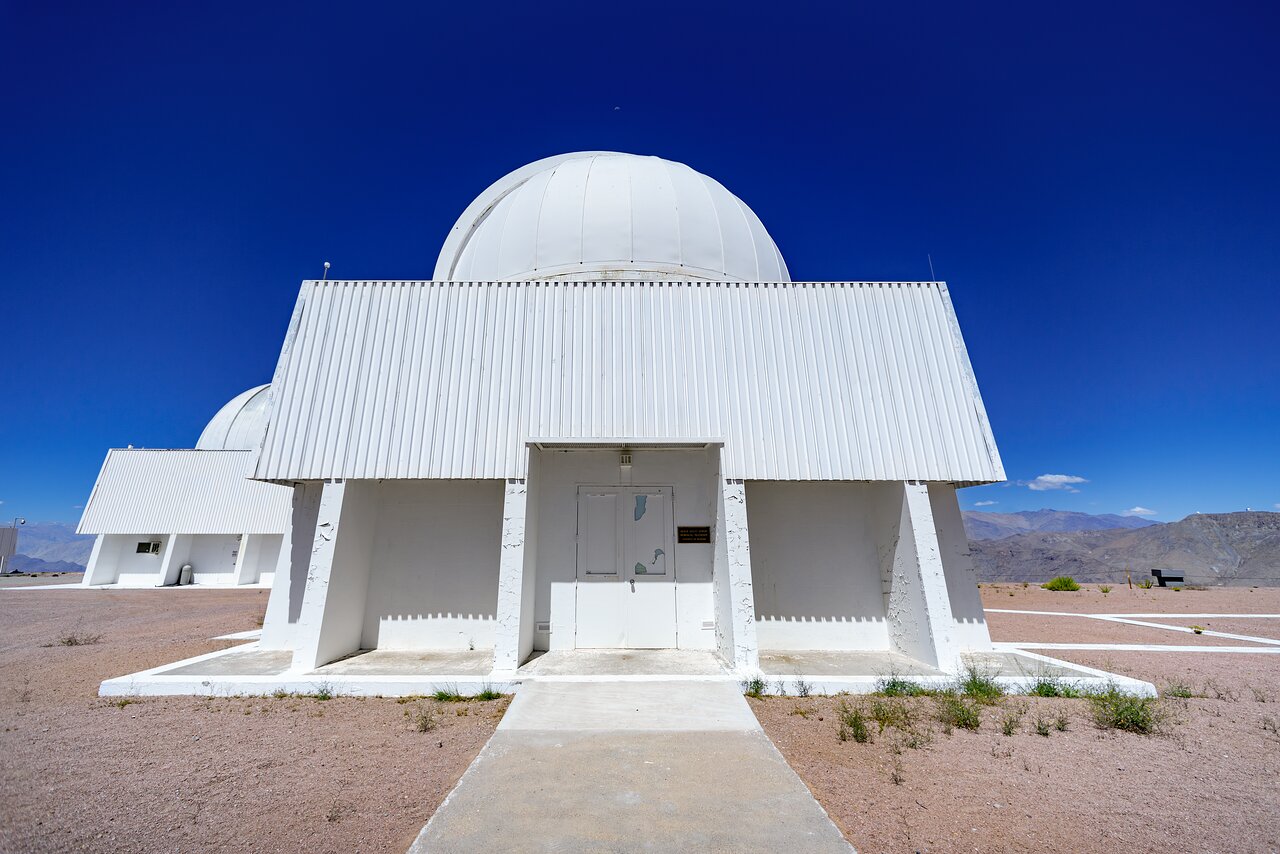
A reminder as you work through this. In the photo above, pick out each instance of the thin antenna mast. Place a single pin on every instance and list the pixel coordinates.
(325, 277)
(931, 273)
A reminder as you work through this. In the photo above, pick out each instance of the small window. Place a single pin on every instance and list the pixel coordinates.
(148, 548)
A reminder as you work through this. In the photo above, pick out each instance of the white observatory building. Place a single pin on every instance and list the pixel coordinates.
(157, 511)
(609, 436)
(612, 420)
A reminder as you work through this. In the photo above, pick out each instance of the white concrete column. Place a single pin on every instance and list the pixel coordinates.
(919, 610)
(294, 559)
(731, 581)
(971, 631)
(174, 553)
(249, 559)
(98, 569)
(332, 617)
(510, 610)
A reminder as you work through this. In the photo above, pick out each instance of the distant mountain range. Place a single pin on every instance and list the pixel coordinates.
(1210, 548)
(993, 526)
(51, 547)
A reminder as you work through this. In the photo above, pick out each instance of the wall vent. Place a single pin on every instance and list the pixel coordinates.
(543, 626)
(709, 624)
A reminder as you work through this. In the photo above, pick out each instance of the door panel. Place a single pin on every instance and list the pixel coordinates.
(626, 577)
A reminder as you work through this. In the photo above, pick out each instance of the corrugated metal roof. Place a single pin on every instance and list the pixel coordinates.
(802, 381)
(183, 492)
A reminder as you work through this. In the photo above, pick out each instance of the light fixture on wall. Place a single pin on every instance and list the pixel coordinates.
(624, 465)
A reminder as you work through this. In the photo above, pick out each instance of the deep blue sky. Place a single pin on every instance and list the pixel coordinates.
(1099, 184)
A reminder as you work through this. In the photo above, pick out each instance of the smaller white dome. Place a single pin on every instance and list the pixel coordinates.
(606, 215)
(239, 425)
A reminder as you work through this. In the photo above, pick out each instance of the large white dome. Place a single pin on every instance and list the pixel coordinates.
(239, 425)
(605, 215)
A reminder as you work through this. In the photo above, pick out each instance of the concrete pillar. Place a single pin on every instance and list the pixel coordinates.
(731, 581)
(510, 611)
(249, 559)
(970, 624)
(918, 609)
(333, 605)
(173, 555)
(294, 559)
(99, 569)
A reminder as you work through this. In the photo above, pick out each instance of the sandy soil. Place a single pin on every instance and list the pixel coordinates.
(23, 579)
(1206, 782)
(81, 773)
(1122, 600)
(1032, 627)
(1083, 790)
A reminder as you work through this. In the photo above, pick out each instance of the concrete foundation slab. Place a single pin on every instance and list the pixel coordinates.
(623, 662)
(254, 662)
(390, 662)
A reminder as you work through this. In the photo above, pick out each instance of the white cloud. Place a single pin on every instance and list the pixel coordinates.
(1277, 504)
(1140, 511)
(1046, 482)
(989, 503)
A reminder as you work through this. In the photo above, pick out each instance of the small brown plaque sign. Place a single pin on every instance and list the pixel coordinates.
(686, 534)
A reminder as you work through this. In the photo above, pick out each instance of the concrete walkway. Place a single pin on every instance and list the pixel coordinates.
(628, 767)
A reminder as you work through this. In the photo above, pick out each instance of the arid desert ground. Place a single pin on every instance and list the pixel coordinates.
(82, 773)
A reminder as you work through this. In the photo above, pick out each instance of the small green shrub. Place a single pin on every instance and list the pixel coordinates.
(447, 694)
(1011, 721)
(487, 692)
(424, 721)
(1048, 686)
(1147, 583)
(890, 712)
(1040, 726)
(954, 710)
(1104, 588)
(894, 685)
(1199, 630)
(1061, 721)
(755, 686)
(1061, 583)
(853, 724)
(280, 694)
(980, 684)
(323, 691)
(1116, 709)
(803, 688)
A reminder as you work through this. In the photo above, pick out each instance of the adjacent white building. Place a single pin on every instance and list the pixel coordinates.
(157, 511)
(611, 420)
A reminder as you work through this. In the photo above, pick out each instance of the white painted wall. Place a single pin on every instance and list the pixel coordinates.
(814, 564)
(433, 579)
(116, 561)
(693, 477)
(971, 631)
(212, 558)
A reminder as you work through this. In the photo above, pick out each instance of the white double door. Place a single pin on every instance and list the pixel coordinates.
(626, 572)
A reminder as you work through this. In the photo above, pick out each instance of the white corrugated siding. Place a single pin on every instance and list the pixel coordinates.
(183, 492)
(804, 381)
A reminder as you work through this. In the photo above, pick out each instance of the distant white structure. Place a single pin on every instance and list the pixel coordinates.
(157, 511)
(613, 421)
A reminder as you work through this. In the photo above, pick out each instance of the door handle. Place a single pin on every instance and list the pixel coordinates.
(633, 585)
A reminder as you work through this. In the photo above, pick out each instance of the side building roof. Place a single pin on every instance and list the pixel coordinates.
(802, 381)
(183, 492)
